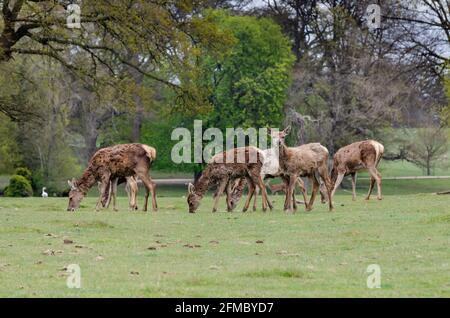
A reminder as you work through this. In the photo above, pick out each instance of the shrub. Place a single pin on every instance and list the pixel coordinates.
(19, 186)
(24, 172)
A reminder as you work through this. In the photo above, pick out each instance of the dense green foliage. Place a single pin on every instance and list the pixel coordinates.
(19, 186)
(24, 172)
(249, 84)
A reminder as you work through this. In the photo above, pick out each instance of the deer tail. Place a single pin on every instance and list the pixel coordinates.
(151, 152)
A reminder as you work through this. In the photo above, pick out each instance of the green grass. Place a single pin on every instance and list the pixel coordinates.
(401, 168)
(254, 254)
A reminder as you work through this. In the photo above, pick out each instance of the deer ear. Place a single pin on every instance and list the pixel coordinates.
(72, 184)
(235, 184)
(191, 188)
(287, 130)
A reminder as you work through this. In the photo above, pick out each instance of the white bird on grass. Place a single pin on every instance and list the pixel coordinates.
(44, 194)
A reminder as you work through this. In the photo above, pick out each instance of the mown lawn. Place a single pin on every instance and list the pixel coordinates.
(256, 254)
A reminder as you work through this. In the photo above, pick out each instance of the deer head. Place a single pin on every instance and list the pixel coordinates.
(75, 196)
(236, 192)
(278, 137)
(193, 199)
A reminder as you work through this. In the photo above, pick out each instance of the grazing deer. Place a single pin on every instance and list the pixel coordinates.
(223, 169)
(357, 156)
(131, 188)
(270, 169)
(118, 161)
(275, 188)
(281, 187)
(305, 160)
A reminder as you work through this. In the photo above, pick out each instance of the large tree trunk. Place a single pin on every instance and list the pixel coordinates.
(91, 142)
(138, 79)
(139, 115)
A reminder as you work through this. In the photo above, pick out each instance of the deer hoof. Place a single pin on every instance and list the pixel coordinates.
(214, 210)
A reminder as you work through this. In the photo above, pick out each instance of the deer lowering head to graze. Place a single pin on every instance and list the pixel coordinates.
(303, 161)
(246, 163)
(130, 187)
(107, 164)
(270, 169)
(358, 156)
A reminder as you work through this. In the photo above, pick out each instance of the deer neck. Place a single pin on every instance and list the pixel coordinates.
(87, 181)
(201, 185)
(282, 150)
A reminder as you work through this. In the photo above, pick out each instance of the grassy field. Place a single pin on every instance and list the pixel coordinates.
(254, 254)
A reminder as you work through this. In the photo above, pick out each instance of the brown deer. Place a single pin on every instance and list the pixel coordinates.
(357, 156)
(305, 160)
(118, 161)
(130, 187)
(223, 171)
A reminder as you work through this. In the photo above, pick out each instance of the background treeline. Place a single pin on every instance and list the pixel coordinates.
(138, 69)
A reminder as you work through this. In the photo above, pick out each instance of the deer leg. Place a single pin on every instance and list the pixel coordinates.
(323, 191)
(228, 191)
(113, 193)
(153, 188)
(97, 206)
(109, 191)
(134, 192)
(259, 181)
(104, 187)
(371, 184)
(353, 186)
(290, 192)
(315, 188)
(257, 190)
(131, 188)
(375, 177)
(251, 190)
(149, 185)
(128, 191)
(219, 192)
(339, 179)
(326, 180)
(265, 200)
(302, 187)
(286, 187)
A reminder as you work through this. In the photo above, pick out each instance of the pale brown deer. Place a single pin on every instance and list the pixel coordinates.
(220, 170)
(130, 187)
(118, 161)
(307, 160)
(358, 156)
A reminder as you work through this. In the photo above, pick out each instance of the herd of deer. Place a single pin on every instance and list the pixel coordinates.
(127, 162)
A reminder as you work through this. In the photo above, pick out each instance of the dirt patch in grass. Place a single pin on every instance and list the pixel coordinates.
(286, 273)
(93, 225)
